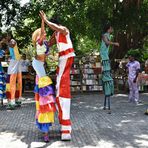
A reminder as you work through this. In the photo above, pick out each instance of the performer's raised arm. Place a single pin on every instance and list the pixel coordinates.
(53, 26)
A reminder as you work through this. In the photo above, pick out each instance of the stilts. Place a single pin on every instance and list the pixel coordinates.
(109, 108)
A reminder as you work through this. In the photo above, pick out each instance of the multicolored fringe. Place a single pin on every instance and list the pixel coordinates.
(45, 103)
(9, 89)
(108, 85)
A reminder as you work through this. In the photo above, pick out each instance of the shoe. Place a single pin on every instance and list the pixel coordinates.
(66, 137)
(10, 107)
(104, 108)
(46, 139)
(146, 112)
(109, 112)
(139, 101)
(129, 101)
(18, 103)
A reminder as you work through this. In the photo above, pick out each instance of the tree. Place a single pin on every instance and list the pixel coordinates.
(85, 19)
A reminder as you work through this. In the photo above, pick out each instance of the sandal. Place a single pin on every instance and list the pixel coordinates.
(46, 138)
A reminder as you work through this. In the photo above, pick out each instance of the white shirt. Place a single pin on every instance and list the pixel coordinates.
(132, 68)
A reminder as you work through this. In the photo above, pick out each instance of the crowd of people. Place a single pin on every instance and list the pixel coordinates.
(48, 100)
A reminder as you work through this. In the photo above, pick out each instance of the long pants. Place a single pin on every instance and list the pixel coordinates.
(14, 81)
(63, 96)
(133, 91)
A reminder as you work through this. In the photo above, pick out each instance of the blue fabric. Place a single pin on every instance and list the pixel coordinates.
(2, 83)
(36, 89)
(2, 53)
(12, 55)
(44, 127)
(47, 47)
(39, 68)
(46, 91)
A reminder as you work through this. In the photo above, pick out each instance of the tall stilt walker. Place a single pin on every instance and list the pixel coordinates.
(61, 37)
(108, 85)
(14, 78)
(44, 91)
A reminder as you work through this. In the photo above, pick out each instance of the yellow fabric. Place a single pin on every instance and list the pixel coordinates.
(37, 105)
(44, 81)
(7, 87)
(46, 117)
(16, 52)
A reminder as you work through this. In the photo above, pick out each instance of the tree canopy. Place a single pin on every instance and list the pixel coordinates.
(85, 19)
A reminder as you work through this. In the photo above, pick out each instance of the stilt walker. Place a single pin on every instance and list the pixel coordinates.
(14, 77)
(107, 80)
(66, 57)
(44, 91)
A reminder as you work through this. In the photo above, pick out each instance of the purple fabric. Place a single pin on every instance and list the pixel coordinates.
(132, 68)
(44, 127)
(134, 92)
(47, 47)
(45, 91)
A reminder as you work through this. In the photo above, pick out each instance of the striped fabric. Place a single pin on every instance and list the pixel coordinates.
(45, 103)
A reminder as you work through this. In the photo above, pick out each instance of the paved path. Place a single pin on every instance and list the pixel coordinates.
(126, 127)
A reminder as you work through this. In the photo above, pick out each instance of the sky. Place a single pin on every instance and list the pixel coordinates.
(24, 2)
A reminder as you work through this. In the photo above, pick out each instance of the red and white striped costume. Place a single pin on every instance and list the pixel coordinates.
(63, 97)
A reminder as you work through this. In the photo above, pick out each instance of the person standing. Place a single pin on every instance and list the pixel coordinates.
(14, 78)
(61, 37)
(108, 85)
(44, 92)
(133, 68)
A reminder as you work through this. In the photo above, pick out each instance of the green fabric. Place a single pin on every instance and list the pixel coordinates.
(104, 49)
(108, 85)
(108, 88)
(106, 65)
(106, 76)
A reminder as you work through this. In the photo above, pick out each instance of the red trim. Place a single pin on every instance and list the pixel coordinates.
(17, 94)
(62, 38)
(59, 109)
(65, 80)
(36, 97)
(65, 52)
(65, 132)
(65, 122)
(8, 95)
(46, 108)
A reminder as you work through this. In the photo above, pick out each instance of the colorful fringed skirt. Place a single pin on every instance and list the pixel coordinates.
(14, 81)
(45, 99)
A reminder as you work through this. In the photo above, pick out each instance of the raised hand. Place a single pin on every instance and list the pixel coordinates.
(42, 15)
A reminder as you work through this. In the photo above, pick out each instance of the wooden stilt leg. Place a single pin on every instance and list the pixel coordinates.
(109, 110)
(104, 103)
